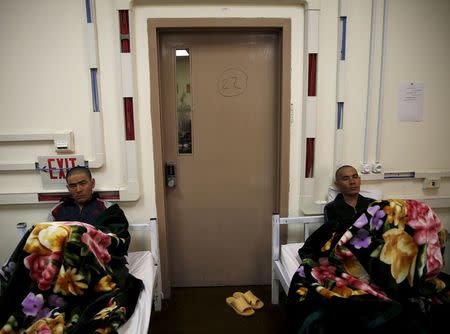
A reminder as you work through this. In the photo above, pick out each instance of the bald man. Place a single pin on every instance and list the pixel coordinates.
(340, 213)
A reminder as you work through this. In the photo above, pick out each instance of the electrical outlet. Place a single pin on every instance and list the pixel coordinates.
(376, 168)
(365, 168)
(431, 183)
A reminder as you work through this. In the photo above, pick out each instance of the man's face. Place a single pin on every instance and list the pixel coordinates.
(348, 181)
(80, 187)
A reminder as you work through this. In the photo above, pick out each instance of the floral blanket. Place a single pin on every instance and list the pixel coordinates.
(382, 274)
(69, 277)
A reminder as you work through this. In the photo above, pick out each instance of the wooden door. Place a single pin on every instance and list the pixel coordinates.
(225, 154)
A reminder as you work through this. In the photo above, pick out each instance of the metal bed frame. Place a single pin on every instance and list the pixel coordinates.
(279, 273)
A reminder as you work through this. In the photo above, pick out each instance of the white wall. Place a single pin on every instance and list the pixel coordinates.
(45, 87)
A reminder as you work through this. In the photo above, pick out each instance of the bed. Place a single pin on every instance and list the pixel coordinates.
(144, 265)
(384, 273)
(285, 259)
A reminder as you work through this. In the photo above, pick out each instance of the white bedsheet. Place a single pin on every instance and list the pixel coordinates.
(289, 257)
(141, 265)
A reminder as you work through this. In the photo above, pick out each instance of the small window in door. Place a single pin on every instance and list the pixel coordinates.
(184, 101)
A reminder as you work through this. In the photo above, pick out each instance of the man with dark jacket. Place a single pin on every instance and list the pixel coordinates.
(83, 205)
(340, 213)
(338, 216)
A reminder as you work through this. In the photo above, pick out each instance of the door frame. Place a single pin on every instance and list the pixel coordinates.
(157, 25)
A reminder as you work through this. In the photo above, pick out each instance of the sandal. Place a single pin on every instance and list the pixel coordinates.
(250, 298)
(241, 306)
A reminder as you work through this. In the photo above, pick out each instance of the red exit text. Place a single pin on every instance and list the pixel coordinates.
(58, 167)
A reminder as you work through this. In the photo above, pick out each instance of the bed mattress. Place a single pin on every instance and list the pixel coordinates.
(289, 257)
(141, 265)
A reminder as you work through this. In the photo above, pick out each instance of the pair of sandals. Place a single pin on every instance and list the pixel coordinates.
(244, 304)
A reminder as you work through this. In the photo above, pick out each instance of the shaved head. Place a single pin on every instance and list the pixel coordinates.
(347, 180)
(340, 169)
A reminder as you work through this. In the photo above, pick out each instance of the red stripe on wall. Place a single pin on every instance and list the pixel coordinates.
(56, 197)
(53, 197)
(309, 166)
(109, 195)
(125, 46)
(123, 20)
(312, 74)
(124, 31)
(129, 120)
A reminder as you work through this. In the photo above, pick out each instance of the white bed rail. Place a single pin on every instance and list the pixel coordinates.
(279, 274)
(152, 225)
(154, 239)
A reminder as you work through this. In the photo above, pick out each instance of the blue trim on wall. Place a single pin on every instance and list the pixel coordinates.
(94, 89)
(343, 20)
(340, 115)
(88, 11)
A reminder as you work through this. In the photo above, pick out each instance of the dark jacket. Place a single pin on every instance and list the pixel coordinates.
(338, 216)
(67, 210)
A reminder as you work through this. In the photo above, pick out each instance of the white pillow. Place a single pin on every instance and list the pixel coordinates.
(371, 193)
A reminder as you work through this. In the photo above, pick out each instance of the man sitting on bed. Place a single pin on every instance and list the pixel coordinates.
(69, 274)
(374, 266)
(340, 213)
(83, 204)
(338, 216)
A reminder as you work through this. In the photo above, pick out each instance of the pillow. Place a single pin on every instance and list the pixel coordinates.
(371, 193)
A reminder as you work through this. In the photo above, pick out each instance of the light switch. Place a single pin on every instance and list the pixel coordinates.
(63, 142)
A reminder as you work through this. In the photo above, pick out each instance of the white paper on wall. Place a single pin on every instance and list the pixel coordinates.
(410, 102)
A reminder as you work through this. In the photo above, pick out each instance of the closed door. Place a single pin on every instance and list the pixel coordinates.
(220, 118)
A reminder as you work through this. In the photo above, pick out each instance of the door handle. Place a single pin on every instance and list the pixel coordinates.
(171, 177)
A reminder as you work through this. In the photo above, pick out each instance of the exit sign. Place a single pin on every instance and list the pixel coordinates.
(53, 169)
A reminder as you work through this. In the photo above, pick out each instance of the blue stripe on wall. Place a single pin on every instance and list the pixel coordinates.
(343, 21)
(340, 115)
(94, 89)
(88, 11)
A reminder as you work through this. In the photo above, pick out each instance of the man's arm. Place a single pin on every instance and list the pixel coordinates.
(337, 219)
(113, 220)
(312, 248)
